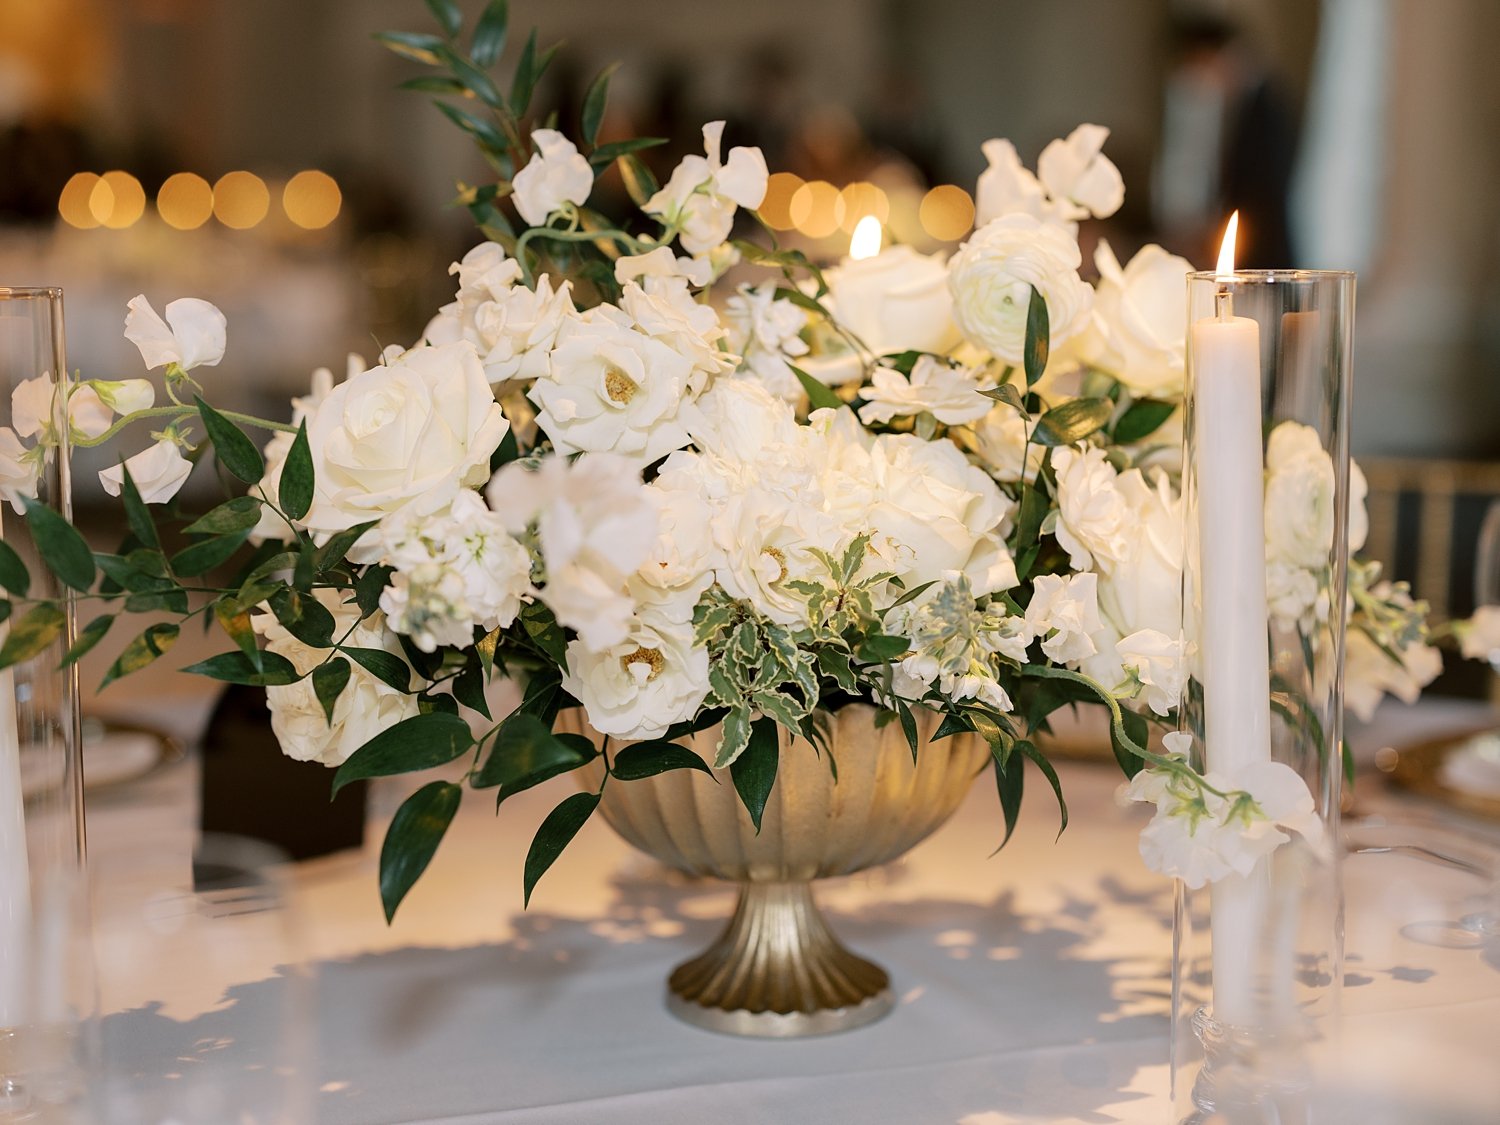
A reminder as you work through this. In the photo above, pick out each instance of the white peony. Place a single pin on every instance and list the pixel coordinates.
(1006, 187)
(1141, 319)
(271, 525)
(364, 708)
(1001, 442)
(742, 422)
(950, 394)
(1092, 516)
(596, 524)
(557, 173)
(1064, 612)
(700, 198)
(1159, 664)
(158, 472)
(1080, 178)
(425, 423)
(1369, 673)
(992, 275)
(766, 331)
(192, 335)
(20, 469)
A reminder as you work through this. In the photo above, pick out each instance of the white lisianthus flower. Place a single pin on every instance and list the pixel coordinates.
(640, 686)
(1158, 663)
(1064, 612)
(992, 275)
(364, 708)
(671, 316)
(766, 331)
(1002, 446)
(1006, 187)
(1092, 516)
(700, 198)
(271, 525)
(32, 407)
(557, 173)
(456, 568)
(1142, 319)
(595, 523)
(1079, 177)
(422, 424)
(195, 337)
(1370, 673)
(613, 389)
(1479, 636)
(20, 469)
(158, 472)
(512, 326)
(1299, 497)
(950, 394)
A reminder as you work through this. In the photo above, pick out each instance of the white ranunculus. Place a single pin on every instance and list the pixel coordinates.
(1092, 516)
(933, 512)
(1159, 663)
(1078, 175)
(701, 197)
(32, 406)
(992, 275)
(191, 336)
(1006, 187)
(423, 424)
(896, 301)
(1299, 497)
(20, 469)
(158, 473)
(766, 331)
(1000, 442)
(1064, 612)
(1369, 674)
(613, 389)
(1141, 318)
(596, 524)
(271, 525)
(1479, 636)
(950, 394)
(364, 708)
(557, 173)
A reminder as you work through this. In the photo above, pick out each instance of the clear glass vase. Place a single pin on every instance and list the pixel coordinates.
(45, 982)
(1258, 957)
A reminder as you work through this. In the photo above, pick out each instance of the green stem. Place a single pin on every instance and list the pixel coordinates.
(175, 413)
(557, 234)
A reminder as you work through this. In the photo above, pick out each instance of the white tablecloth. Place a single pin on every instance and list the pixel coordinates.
(1033, 984)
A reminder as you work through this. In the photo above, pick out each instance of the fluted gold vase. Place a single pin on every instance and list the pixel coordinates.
(778, 970)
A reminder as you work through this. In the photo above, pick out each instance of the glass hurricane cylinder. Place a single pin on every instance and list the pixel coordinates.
(1266, 485)
(45, 987)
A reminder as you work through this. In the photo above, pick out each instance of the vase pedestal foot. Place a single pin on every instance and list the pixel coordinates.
(777, 971)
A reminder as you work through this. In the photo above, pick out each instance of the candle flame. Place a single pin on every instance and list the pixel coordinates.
(865, 241)
(1225, 270)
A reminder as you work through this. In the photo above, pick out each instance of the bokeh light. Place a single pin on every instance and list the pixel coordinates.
(947, 213)
(241, 200)
(73, 203)
(311, 199)
(858, 200)
(814, 209)
(776, 208)
(185, 201)
(117, 200)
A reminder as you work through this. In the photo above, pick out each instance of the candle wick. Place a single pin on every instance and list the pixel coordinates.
(1224, 303)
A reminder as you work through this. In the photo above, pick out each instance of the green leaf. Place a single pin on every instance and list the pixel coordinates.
(296, 490)
(432, 84)
(526, 750)
(640, 184)
(1072, 421)
(647, 759)
(156, 641)
(1009, 780)
(476, 127)
(877, 648)
(386, 667)
(1144, 417)
(206, 554)
(1347, 757)
(606, 153)
(754, 771)
(527, 72)
(418, 743)
(908, 727)
(1038, 337)
(32, 633)
(237, 668)
(164, 596)
(952, 724)
(1030, 751)
(449, 18)
(542, 627)
(1138, 732)
(304, 616)
(13, 574)
(594, 102)
(413, 45)
(468, 687)
(1006, 393)
(233, 617)
(556, 833)
(5, 610)
(473, 79)
(332, 553)
(415, 832)
(137, 515)
(90, 635)
(61, 547)
(329, 681)
(819, 396)
(239, 514)
(506, 452)
(488, 43)
(235, 451)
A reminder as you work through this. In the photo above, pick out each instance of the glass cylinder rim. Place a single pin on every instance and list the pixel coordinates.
(31, 292)
(1269, 277)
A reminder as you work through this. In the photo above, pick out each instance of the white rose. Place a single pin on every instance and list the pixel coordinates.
(20, 469)
(671, 316)
(764, 542)
(766, 331)
(1092, 516)
(613, 389)
(423, 424)
(1142, 587)
(158, 472)
(1064, 612)
(557, 173)
(195, 337)
(992, 275)
(742, 422)
(1359, 515)
(364, 708)
(896, 301)
(1006, 187)
(949, 394)
(1299, 497)
(684, 550)
(700, 198)
(1142, 319)
(1079, 176)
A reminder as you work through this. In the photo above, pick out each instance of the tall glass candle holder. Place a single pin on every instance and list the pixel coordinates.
(44, 989)
(1267, 499)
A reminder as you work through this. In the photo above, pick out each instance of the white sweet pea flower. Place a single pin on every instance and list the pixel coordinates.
(1079, 176)
(1370, 674)
(32, 406)
(557, 173)
(1092, 516)
(1158, 663)
(1141, 319)
(92, 406)
(661, 268)
(992, 275)
(700, 198)
(158, 472)
(767, 331)
(1006, 187)
(950, 394)
(1064, 612)
(20, 469)
(191, 336)
(1479, 636)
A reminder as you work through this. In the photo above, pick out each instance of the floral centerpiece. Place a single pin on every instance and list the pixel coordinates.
(691, 483)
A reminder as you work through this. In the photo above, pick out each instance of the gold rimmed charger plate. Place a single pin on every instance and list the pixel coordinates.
(1419, 769)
